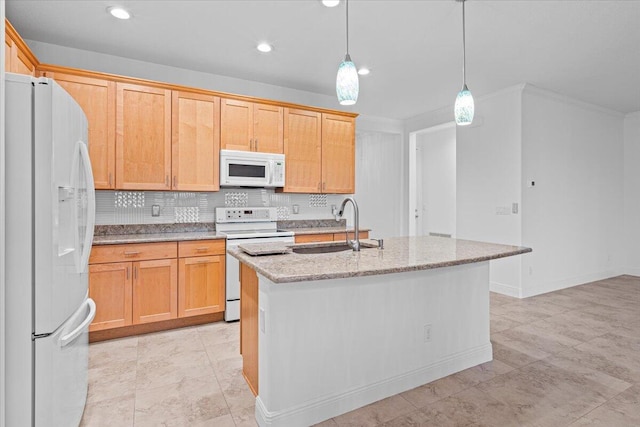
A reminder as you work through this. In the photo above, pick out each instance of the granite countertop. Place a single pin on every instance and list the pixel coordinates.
(400, 254)
(119, 239)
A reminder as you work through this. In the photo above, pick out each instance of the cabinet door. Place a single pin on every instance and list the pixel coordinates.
(249, 325)
(195, 161)
(268, 128)
(155, 290)
(110, 288)
(201, 284)
(8, 45)
(338, 154)
(303, 151)
(97, 99)
(143, 137)
(236, 125)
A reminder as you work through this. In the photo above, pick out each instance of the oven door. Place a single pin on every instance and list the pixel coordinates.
(241, 171)
(232, 289)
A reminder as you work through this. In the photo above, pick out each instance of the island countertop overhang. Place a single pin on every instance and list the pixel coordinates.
(400, 254)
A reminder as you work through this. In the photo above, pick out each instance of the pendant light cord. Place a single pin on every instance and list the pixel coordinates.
(347, 5)
(464, 49)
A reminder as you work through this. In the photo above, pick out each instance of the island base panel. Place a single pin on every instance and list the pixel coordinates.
(327, 347)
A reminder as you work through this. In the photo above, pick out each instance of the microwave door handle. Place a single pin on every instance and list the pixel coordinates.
(270, 172)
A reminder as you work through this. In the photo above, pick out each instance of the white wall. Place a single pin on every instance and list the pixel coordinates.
(436, 181)
(632, 193)
(488, 181)
(379, 183)
(573, 216)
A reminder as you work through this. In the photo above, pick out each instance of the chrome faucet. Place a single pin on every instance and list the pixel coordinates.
(354, 244)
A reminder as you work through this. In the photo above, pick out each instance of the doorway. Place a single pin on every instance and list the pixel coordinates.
(432, 170)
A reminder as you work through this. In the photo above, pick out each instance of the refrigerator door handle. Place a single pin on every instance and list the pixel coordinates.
(66, 339)
(91, 205)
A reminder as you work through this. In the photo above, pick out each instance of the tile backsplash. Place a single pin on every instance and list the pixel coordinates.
(136, 207)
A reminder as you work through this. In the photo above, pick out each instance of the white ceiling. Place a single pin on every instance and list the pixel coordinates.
(589, 50)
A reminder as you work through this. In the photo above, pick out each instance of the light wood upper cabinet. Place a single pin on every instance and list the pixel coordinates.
(143, 137)
(303, 151)
(236, 125)
(195, 142)
(97, 99)
(18, 58)
(155, 290)
(248, 126)
(268, 122)
(110, 288)
(338, 154)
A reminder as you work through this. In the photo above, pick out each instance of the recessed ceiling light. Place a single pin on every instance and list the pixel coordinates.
(119, 12)
(364, 71)
(331, 3)
(264, 47)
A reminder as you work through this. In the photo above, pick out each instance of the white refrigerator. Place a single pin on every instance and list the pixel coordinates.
(50, 215)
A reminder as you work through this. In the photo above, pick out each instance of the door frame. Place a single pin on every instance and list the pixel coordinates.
(413, 188)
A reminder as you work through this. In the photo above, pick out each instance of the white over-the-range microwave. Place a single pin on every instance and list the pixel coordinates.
(251, 169)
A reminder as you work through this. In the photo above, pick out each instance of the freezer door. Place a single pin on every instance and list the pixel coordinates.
(61, 371)
(64, 206)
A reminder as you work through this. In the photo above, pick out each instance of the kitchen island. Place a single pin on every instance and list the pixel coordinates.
(323, 334)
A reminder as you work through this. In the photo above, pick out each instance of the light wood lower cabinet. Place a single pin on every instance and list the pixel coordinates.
(201, 285)
(155, 290)
(329, 237)
(144, 283)
(249, 325)
(110, 287)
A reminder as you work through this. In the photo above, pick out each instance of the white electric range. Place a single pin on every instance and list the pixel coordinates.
(245, 225)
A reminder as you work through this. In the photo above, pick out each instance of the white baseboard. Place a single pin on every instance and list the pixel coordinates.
(543, 288)
(504, 289)
(632, 271)
(318, 410)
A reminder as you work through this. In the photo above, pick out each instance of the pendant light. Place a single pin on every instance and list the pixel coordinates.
(464, 107)
(347, 85)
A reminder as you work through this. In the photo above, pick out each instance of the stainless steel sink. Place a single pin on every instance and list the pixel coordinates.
(321, 249)
(326, 248)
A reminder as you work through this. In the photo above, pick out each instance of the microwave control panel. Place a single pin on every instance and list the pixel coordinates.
(278, 172)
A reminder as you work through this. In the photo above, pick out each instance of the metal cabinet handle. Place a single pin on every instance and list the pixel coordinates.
(251, 144)
(256, 145)
(109, 179)
(324, 186)
(135, 273)
(204, 261)
(131, 253)
(175, 181)
(202, 249)
(127, 273)
(166, 180)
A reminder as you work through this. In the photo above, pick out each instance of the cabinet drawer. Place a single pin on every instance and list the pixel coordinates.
(343, 236)
(312, 238)
(133, 252)
(201, 248)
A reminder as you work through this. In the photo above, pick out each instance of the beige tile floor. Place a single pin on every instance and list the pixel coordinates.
(568, 358)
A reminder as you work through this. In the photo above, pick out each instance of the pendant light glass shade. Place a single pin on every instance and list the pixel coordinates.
(464, 107)
(347, 85)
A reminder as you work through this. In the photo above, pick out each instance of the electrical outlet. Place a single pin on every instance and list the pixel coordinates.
(155, 210)
(427, 333)
(514, 208)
